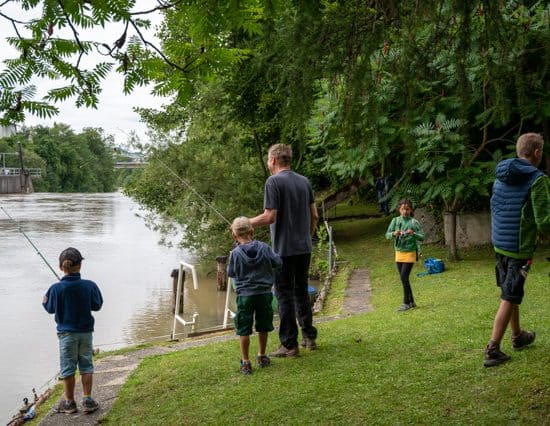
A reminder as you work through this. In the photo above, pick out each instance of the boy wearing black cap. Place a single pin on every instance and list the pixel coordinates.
(72, 300)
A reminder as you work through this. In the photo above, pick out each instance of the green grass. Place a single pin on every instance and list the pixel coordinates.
(355, 206)
(419, 367)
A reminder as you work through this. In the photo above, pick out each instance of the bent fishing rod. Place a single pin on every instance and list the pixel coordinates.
(31, 243)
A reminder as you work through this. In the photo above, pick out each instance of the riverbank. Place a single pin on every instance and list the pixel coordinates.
(121, 254)
(380, 367)
(112, 371)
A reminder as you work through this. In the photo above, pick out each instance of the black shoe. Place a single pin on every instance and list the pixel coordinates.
(525, 338)
(494, 356)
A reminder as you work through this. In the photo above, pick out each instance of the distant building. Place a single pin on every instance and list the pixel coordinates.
(7, 130)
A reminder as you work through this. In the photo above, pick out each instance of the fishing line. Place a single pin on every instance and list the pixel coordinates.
(31, 243)
(194, 191)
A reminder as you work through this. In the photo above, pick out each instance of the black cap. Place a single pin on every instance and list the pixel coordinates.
(72, 255)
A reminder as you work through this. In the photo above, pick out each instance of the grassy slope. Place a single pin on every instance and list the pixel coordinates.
(419, 367)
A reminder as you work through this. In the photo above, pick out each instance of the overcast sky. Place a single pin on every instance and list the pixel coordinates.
(114, 113)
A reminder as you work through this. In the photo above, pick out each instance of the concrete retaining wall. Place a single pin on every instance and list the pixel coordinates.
(471, 229)
(16, 184)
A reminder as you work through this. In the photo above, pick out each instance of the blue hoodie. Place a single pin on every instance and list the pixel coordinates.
(253, 266)
(520, 206)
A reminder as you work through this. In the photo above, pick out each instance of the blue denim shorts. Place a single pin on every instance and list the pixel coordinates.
(75, 349)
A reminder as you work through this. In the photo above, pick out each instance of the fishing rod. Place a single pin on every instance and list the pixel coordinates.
(31, 243)
(194, 190)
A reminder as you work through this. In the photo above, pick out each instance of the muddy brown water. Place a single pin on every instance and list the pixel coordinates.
(121, 254)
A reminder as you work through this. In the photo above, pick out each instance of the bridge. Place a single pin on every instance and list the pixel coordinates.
(130, 164)
(15, 171)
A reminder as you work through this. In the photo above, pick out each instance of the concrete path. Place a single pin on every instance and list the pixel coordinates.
(357, 294)
(112, 371)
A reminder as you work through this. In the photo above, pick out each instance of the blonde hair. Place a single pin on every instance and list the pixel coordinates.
(242, 227)
(528, 143)
(281, 153)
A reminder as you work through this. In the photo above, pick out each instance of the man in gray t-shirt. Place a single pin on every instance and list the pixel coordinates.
(290, 211)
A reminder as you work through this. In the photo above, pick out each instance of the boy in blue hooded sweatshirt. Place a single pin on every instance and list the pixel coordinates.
(252, 265)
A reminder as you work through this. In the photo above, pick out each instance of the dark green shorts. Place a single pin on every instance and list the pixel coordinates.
(258, 306)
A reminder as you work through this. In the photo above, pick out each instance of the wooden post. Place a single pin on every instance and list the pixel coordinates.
(175, 276)
(222, 273)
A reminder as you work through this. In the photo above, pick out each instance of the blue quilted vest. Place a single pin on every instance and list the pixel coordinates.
(514, 178)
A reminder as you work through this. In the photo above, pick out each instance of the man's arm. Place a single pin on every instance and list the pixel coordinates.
(314, 218)
(264, 219)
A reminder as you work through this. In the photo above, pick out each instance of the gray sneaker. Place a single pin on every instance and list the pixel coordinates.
(66, 407)
(89, 405)
(522, 340)
(263, 361)
(404, 307)
(245, 368)
(283, 352)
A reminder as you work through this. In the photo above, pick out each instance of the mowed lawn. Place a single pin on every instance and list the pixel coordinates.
(423, 366)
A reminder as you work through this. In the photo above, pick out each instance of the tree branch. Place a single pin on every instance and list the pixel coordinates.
(162, 6)
(160, 53)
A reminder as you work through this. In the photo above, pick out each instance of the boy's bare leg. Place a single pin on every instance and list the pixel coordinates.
(505, 313)
(514, 321)
(87, 381)
(262, 338)
(245, 346)
(68, 388)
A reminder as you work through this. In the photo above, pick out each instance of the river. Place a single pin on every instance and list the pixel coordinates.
(121, 255)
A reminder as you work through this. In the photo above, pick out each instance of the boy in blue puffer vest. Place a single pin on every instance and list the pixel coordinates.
(520, 207)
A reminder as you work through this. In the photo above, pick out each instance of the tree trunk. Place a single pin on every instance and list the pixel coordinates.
(343, 194)
(453, 251)
(260, 155)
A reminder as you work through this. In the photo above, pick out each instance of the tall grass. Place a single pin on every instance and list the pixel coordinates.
(422, 366)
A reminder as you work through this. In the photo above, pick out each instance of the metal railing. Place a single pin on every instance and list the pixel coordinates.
(16, 171)
(179, 299)
(130, 164)
(228, 313)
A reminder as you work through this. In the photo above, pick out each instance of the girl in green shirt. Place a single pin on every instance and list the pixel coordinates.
(406, 231)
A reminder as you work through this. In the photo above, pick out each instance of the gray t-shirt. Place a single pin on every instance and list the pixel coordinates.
(291, 195)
